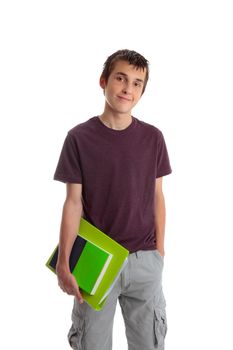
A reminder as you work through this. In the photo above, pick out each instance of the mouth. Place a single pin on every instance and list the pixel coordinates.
(123, 98)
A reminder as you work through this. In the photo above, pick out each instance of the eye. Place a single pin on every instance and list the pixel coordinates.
(137, 84)
(119, 78)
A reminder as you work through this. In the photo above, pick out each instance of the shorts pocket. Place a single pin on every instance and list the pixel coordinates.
(159, 258)
(160, 328)
(75, 334)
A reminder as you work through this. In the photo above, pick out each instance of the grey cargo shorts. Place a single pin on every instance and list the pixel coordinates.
(140, 295)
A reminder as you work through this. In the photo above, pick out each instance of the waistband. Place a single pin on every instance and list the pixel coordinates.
(139, 253)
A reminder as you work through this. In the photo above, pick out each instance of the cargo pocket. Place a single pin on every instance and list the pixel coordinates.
(160, 328)
(75, 334)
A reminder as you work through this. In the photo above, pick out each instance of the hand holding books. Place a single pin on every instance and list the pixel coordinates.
(96, 262)
(68, 283)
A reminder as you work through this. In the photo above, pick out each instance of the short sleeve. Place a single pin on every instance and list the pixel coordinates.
(68, 168)
(163, 162)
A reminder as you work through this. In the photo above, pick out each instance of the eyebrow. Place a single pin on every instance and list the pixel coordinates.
(125, 75)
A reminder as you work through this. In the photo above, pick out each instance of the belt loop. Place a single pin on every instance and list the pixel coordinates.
(136, 253)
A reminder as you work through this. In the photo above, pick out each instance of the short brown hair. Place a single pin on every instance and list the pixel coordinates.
(132, 57)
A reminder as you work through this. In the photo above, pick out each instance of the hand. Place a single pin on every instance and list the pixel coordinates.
(67, 283)
(161, 251)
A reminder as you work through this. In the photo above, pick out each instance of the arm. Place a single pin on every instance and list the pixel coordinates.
(72, 211)
(160, 216)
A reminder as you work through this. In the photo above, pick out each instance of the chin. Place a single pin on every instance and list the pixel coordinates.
(125, 113)
(123, 110)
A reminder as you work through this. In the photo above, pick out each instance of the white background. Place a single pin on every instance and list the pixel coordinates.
(52, 54)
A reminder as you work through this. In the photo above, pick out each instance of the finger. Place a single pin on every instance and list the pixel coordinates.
(71, 289)
(66, 289)
(78, 295)
(76, 291)
(61, 286)
(79, 298)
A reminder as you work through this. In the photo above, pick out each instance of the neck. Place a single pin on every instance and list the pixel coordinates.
(117, 121)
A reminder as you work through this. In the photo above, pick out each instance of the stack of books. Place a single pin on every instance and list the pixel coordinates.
(96, 262)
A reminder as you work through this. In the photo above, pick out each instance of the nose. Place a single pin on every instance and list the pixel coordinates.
(127, 89)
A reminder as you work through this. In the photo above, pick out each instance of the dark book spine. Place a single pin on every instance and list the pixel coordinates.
(76, 251)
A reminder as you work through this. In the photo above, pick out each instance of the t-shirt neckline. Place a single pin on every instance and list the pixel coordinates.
(114, 131)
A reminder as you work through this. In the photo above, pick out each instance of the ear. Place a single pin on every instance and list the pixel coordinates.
(102, 83)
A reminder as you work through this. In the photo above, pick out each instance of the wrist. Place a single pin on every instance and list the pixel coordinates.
(62, 266)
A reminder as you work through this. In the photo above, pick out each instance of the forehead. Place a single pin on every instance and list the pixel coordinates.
(129, 69)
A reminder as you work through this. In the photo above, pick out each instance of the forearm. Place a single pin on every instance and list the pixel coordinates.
(160, 219)
(71, 215)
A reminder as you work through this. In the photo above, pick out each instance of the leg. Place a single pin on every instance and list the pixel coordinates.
(142, 302)
(93, 329)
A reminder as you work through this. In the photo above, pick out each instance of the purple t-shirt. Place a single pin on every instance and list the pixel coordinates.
(117, 170)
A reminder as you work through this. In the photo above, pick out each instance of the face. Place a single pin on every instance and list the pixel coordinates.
(124, 87)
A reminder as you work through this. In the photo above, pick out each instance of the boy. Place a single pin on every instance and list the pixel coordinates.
(113, 166)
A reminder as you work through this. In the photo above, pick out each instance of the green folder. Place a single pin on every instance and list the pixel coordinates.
(114, 259)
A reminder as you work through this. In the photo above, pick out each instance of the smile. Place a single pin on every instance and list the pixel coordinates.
(124, 98)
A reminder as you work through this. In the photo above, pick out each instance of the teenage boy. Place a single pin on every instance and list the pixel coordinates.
(113, 165)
